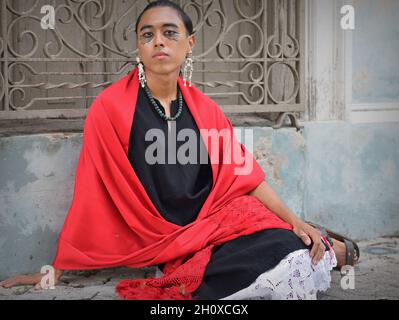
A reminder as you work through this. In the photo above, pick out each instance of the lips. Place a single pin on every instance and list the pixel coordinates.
(160, 54)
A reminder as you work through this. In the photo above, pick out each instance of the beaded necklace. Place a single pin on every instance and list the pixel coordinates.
(158, 109)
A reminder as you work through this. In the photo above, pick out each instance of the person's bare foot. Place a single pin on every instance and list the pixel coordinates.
(30, 279)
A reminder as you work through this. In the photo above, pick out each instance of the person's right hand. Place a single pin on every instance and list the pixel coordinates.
(30, 279)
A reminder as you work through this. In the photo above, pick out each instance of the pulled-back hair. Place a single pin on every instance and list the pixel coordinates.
(166, 3)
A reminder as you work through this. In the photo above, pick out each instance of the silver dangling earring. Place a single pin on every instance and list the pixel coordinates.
(142, 78)
(188, 70)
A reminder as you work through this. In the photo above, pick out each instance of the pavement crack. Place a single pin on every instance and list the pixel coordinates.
(93, 296)
(107, 280)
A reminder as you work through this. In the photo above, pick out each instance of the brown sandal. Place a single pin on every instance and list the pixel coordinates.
(352, 249)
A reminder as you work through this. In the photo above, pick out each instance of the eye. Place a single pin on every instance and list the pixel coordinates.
(170, 33)
(147, 35)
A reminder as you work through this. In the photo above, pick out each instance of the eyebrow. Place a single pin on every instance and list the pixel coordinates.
(149, 26)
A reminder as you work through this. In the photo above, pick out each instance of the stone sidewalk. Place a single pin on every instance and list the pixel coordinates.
(376, 277)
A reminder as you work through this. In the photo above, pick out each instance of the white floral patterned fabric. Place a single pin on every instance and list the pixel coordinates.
(294, 278)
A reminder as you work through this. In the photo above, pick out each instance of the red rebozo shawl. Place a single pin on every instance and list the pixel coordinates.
(112, 221)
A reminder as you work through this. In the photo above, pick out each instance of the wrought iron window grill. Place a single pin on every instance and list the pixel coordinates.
(249, 55)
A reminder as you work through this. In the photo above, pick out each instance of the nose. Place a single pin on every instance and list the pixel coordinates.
(158, 39)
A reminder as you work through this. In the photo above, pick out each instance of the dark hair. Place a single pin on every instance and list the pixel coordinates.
(166, 3)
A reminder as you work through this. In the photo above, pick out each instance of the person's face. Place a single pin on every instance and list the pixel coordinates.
(162, 30)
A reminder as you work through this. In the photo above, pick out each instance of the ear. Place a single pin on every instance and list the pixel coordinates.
(191, 42)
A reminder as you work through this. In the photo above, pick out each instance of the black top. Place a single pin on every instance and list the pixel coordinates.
(177, 190)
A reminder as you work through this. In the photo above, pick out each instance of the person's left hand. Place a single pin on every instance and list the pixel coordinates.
(308, 234)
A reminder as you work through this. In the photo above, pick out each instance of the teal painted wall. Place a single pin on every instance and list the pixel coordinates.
(352, 180)
(343, 176)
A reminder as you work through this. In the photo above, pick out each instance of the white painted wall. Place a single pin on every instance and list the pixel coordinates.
(353, 75)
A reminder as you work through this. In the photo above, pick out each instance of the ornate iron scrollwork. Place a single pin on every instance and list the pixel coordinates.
(248, 53)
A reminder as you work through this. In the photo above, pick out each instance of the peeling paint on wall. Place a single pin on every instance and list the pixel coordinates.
(13, 169)
(270, 162)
